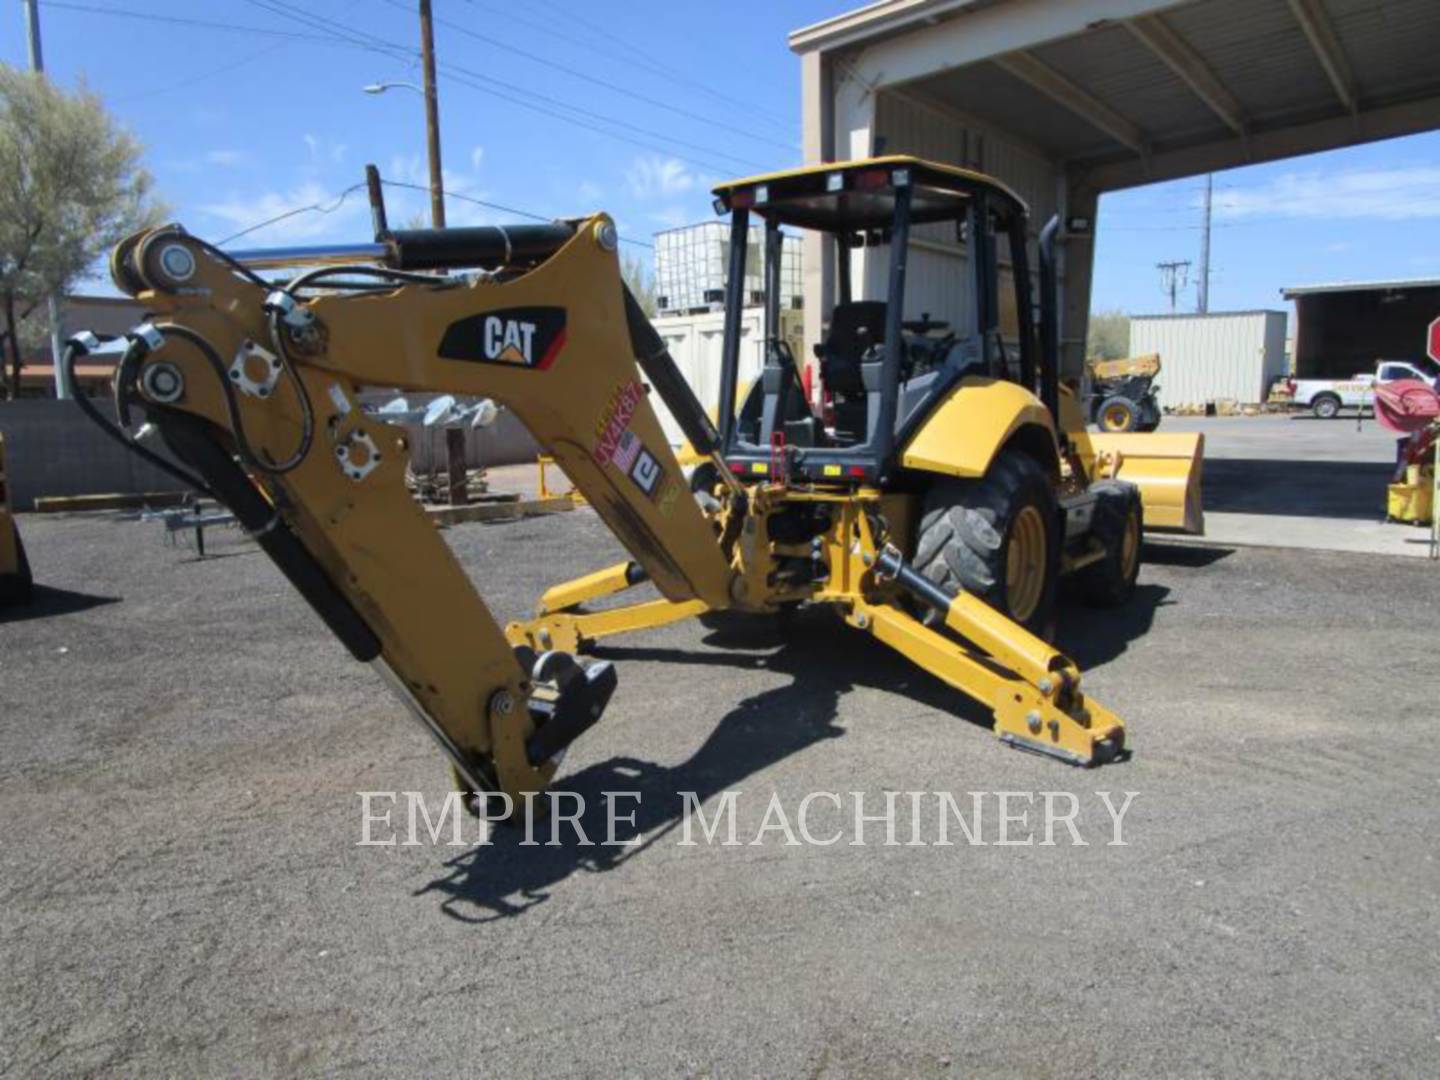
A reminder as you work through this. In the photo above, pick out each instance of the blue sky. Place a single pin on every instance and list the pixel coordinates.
(558, 107)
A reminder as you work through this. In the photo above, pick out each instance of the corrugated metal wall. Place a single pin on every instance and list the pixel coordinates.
(1205, 358)
(939, 273)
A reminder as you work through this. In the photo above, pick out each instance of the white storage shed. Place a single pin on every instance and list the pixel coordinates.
(1222, 356)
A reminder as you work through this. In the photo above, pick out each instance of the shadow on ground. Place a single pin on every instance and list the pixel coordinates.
(47, 601)
(1195, 556)
(1296, 488)
(824, 658)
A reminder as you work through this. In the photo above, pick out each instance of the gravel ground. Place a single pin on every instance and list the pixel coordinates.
(181, 747)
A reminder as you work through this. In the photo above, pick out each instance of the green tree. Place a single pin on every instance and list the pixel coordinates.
(637, 275)
(71, 187)
(1109, 337)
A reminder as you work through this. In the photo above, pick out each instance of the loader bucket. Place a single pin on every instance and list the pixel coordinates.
(1166, 468)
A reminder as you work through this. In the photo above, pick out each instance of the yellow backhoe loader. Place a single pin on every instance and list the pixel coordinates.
(15, 579)
(935, 507)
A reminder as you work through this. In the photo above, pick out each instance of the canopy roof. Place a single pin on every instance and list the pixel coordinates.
(846, 195)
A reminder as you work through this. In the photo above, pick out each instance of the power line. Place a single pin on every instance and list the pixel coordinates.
(199, 77)
(606, 84)
(476, 81)
(334, 202)
(179, 20)
(630, 55)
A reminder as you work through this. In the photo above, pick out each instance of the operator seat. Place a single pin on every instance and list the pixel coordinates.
(855, 328)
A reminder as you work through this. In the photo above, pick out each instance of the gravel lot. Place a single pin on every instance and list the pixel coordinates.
(181, 747)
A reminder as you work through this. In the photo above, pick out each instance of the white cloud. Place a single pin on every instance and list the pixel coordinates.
(589, 194)
(671, 217)
(653, 177)
(477, 157)
(1399, 194)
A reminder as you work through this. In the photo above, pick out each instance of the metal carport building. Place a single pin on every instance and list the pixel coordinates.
(1068, 99)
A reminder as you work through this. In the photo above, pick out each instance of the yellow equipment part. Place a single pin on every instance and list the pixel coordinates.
(15, 580)
(1141, 366)
(966, 430)
(1413, 501)
(1166, 467)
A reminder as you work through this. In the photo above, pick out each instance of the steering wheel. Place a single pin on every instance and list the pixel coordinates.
(925, 324)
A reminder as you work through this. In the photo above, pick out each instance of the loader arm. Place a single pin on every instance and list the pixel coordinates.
(229, 367)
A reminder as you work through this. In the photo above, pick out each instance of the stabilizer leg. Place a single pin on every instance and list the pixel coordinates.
(557, 625)
(1033, 688)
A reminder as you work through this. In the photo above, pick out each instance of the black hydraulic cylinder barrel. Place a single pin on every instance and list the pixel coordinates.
(890, 564)
(734, 303)
(193, 443)
(1020, 271)
(884, 438)
(376, 194)
(659, 367)
(483, 246)
(1049, 320)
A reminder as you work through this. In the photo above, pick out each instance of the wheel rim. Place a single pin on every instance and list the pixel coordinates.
(1116, 417)
(1025, 564)
(1130, 546)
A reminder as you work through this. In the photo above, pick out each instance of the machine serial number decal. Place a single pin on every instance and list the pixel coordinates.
(614, 420)
(528, 337)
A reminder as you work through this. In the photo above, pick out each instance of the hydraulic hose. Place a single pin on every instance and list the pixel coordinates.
(75, 349)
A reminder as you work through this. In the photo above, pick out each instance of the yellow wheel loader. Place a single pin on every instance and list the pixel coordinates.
(15, 580)
(1122, 393)
(934, 507)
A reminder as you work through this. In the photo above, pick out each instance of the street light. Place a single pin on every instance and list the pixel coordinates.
(381, 87)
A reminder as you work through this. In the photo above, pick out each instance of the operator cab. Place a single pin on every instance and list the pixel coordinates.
(883, 367)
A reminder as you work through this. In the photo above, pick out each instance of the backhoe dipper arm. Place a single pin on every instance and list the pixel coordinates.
(229, 367)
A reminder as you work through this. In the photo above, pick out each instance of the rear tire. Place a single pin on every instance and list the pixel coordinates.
(1117, 415)
(998, 538)
(1325, 406)
(1119, 525)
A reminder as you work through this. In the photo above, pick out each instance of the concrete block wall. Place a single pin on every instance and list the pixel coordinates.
(53, 449)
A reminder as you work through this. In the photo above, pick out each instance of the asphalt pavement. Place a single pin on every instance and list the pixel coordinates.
(181, 748)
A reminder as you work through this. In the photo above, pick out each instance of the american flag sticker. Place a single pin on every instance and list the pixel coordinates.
(627, 450)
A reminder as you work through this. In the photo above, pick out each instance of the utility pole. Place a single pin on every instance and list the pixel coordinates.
(432, 115)
(1173, 277)
(52, 303)
(1202, 288)
(32, 26)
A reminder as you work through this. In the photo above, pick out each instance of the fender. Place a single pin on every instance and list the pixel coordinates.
(962, 434)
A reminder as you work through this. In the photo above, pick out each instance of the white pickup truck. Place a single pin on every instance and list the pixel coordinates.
(1326, 397)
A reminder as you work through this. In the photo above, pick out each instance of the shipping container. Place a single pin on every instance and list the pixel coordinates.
(1222, 356)
(695, 341)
